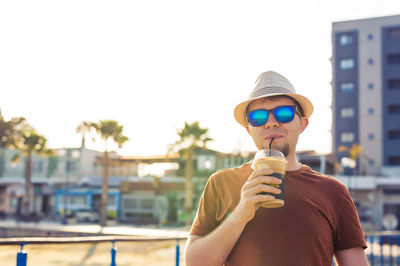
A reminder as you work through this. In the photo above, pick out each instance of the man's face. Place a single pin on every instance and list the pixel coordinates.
(285, 134)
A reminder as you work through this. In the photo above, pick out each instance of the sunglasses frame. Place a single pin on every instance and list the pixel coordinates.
(294, 107)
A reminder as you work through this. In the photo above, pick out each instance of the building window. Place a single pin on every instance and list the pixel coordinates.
(347, 137)
(346, 39)
(394, 160)
(394, 134)
(394, 109)
(370, 86)
(394, 83)
(371, 162)
(371, 111)
(147, 203)
(69, 166)
(347, 86)
(371, 136)
(394, 33)
(78, 200)
(111, 201)
(370, 37)
(346, 112)
(391, 191)
(393, 59)
(38, 166)
(130, 203)
(370, 61)
(347, 63)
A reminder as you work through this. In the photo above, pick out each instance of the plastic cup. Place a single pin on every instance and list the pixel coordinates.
(276, 161)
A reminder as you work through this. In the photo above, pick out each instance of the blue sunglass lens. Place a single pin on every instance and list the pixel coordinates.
(284, 114)
(258, 118)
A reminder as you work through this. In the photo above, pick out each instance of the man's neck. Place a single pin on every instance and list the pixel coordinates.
(293, 164)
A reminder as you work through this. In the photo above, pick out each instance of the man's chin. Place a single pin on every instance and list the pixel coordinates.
(282, 148)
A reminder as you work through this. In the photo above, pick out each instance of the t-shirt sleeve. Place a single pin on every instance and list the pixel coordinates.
(349, 233)
(205, 220)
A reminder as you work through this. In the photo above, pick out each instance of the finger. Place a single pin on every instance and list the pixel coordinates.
(261, 180)
(259, 172)
(261, 188)
(264, 179)
(259, 199)
(266, 188)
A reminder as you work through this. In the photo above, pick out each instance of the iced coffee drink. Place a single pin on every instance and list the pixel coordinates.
(276, 161)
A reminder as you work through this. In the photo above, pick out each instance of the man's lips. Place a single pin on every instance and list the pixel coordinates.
(273, 136)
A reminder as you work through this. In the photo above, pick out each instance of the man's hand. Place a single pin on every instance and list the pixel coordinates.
(250, 197)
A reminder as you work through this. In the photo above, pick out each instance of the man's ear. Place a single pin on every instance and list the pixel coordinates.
(248, 130)
(303, 124)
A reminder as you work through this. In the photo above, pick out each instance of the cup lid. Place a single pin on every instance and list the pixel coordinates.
(268, 153)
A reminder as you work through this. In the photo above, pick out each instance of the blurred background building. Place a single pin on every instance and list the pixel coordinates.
(366, 115)
(142, 189)
(366, 92)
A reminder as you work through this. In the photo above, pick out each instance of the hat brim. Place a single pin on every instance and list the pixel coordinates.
(240, 109)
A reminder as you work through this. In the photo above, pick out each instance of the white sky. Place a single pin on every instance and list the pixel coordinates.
(151, 65)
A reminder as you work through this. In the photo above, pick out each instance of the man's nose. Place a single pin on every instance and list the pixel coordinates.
(271, 122)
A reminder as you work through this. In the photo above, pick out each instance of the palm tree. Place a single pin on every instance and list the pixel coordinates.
(108, 130)
(84, 128)
(192, 136)
(9, 130)
(29, 143)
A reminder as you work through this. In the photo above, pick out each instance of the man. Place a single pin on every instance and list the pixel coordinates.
(318, 220)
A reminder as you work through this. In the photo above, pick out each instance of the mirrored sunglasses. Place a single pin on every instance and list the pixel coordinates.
(282, 114)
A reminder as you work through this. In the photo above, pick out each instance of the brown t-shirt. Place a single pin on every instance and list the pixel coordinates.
(318, 218)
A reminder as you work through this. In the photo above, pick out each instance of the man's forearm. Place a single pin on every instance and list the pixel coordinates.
(214, 248)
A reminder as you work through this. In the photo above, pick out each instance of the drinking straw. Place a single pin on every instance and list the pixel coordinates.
(270, 144)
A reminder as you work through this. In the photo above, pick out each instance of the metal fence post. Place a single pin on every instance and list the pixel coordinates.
(381, 243)
(391, 250)
(113, 254)
(371, 254)
(22, 256)
(397, 241)
(177, 253)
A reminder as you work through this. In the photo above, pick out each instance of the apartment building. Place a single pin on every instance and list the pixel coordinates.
(366, 92)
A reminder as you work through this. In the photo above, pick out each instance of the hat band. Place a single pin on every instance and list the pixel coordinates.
(269, 90)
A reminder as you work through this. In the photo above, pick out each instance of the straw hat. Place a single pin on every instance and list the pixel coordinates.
(270, 84)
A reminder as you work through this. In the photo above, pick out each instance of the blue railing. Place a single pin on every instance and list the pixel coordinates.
(22, 255)
(383, 248)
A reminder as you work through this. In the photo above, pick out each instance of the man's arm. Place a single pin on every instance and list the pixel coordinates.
(214, 248)
(351, 257)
